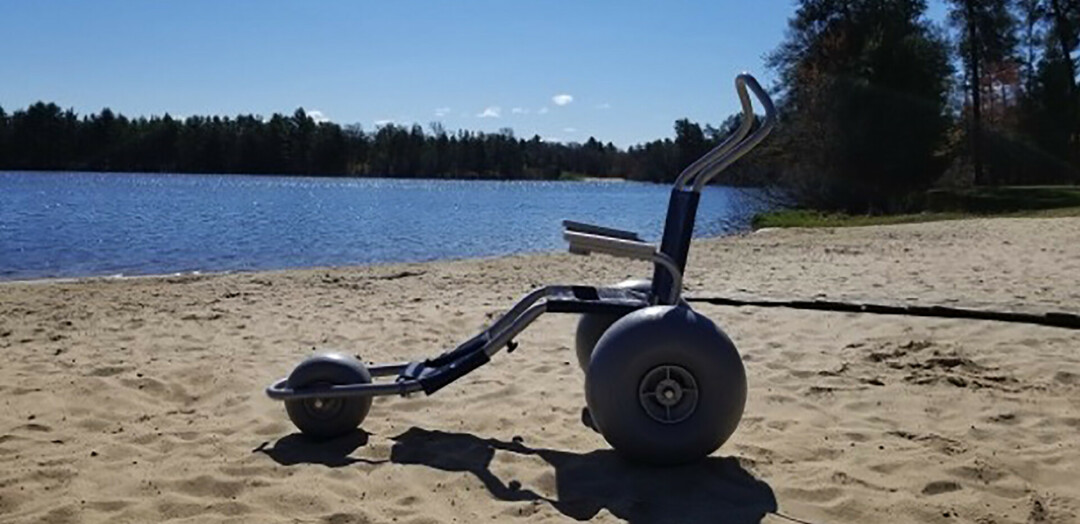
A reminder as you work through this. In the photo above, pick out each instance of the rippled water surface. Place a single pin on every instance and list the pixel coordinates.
(78, 224)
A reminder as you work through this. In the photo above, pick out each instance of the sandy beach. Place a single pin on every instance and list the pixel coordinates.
(141, 400)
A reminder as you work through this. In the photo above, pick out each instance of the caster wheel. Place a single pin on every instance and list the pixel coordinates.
(326, 418)
(665, 386)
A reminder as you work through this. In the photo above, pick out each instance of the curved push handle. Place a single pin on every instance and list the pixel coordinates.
(738, 144)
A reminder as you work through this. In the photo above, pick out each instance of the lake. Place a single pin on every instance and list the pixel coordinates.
(92, 224)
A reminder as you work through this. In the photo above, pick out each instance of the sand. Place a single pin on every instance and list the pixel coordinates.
(140, 400)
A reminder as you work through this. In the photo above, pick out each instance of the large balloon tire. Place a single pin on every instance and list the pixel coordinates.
(671, 352)
(327, 418)
(591, 326)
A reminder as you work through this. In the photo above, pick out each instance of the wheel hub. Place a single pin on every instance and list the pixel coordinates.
(322, 408)
(668, 393)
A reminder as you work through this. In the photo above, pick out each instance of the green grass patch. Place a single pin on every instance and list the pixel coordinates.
(809, 218)
(571, 176)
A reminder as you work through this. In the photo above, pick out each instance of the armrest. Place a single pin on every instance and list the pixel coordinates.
(585, 243)
(581, 227)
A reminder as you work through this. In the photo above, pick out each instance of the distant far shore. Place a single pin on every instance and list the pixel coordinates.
(567, 177)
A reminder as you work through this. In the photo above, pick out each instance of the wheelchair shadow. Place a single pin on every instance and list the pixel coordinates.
(713, 490)
(297, 449)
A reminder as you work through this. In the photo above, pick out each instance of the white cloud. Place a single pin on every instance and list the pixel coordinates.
(552, 139)
(542, 111)
(519, 111)
(490, 112)
(383, 122)
(562, 99)
(318, 116)
(605, 105)
(569, 130)
(442, 111)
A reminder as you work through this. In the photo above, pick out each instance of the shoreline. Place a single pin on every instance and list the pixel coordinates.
(201, 273)
(212, 274)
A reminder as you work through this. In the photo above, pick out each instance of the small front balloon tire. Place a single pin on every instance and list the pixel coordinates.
(327, 418)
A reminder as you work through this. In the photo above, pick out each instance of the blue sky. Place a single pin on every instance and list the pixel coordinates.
(618, 70)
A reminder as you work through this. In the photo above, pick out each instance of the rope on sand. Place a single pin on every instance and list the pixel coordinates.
(1053, 319)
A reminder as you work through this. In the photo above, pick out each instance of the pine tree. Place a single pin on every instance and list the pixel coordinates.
(987, 36)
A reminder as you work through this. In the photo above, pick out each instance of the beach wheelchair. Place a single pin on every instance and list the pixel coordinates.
(663, 384)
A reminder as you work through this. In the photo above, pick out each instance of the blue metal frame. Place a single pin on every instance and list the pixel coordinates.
(678, 232)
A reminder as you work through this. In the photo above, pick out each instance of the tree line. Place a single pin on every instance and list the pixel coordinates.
(45, 137)
(877, 103)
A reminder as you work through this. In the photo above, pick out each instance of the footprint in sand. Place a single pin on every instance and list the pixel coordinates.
(1067, 378)
(108, 371)
(206, 486)
(108, 506)
(940, 486)
(345, 518)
